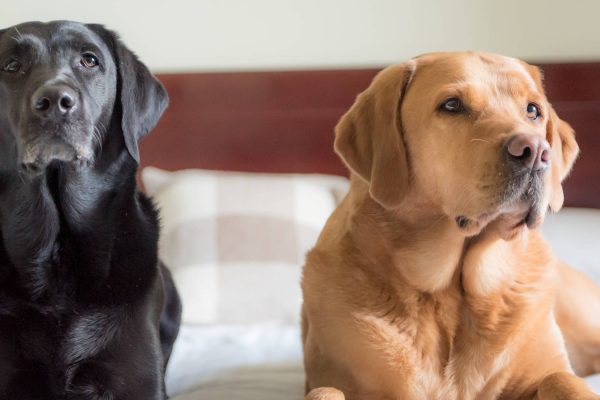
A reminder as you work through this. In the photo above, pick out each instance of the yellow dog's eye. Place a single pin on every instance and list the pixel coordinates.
(452, 105)
(533, 111)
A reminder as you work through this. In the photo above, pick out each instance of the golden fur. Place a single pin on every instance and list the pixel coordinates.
(403, 302)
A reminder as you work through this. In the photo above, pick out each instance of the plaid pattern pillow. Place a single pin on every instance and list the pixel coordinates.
(236, 242)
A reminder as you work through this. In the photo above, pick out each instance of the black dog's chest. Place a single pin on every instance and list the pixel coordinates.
(45, 343)
(37, 326)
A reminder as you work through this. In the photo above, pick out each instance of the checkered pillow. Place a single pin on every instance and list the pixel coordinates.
(235, 242)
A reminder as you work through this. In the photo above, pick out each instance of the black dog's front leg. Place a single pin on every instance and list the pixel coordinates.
(29, 226)
(88, 205)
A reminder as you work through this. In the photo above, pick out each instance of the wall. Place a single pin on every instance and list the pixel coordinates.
(175, 35)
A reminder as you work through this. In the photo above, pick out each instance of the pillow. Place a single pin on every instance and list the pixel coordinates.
(235, 242)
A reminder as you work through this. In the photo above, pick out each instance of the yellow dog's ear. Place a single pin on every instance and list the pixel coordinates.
(368, 137)
(565, 150)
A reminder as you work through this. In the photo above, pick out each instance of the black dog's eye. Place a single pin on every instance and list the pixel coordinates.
(533, 111)
(12, 66)
(452, 105)
(89, 60)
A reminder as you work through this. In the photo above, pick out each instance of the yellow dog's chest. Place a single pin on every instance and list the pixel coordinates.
(442, 350)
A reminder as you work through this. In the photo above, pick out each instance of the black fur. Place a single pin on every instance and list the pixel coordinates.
(87, 312)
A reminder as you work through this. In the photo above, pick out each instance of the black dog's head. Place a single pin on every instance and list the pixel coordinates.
(64, 88)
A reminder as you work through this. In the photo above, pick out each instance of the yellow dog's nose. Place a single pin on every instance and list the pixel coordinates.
(529, 151)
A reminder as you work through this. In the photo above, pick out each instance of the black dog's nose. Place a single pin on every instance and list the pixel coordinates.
(57, 100)
(529, 151)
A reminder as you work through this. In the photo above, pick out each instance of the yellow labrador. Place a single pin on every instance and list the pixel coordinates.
(430, 280)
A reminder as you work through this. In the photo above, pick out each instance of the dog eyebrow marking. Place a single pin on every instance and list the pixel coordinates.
(76, 41)
(70, 36)
(79, 45)
(25, 42)
(27, 39)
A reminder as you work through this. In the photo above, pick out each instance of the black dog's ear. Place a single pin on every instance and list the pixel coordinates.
(142, 97)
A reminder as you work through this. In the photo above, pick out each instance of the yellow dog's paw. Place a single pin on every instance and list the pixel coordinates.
(562, 385)
(325, 393)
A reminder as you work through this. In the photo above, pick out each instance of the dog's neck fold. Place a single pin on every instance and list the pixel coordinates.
(429, 251)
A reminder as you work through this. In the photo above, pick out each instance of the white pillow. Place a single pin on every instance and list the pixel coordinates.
(236, 242)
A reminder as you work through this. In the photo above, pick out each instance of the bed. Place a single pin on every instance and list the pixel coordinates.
(227, 137)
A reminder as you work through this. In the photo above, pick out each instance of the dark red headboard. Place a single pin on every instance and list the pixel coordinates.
(283, 121)
(574, 90)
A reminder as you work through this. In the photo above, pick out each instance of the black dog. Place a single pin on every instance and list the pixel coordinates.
(86, 311)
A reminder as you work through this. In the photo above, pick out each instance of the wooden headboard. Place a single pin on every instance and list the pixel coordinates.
(283, 121)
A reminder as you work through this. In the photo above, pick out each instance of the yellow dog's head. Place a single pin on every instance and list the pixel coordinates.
(472, 134)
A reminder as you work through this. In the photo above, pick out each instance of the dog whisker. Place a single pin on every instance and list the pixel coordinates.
(20, 175)
(103, 128)
(20, 36)
(480, 140)
(97, 136)
(98, 133)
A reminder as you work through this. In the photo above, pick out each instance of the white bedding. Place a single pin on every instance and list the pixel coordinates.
(206, 355)
(574, 234)
(264, 361)
(263, 382)
(231, 368)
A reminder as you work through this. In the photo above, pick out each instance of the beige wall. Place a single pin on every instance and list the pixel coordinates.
(274, 34)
